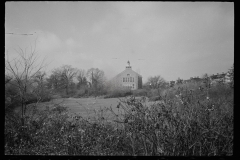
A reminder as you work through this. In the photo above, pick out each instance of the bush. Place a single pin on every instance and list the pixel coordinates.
(34, 99)
(139, 92)
(122, 92)
(13, 100)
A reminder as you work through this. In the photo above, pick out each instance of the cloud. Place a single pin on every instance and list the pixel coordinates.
(98, 27)
(71, 43)
(48, 41)
(104, 24)
(76, 59)
(131, 10)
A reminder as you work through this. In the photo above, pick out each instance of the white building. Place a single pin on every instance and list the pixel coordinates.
(127, 78)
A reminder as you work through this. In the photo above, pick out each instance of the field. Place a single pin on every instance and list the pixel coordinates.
(188, 121)
(89, 107)
(83, 105)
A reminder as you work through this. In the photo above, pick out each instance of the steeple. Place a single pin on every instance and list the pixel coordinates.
(128, 67)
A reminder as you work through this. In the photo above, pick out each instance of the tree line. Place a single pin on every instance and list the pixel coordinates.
(62, 79)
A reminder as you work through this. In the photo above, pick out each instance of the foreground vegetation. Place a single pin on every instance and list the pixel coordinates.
(186, 119)
(189, 120)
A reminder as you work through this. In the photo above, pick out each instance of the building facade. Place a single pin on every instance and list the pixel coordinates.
(128, 78)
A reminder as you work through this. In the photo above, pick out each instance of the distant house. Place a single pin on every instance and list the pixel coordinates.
(127, 78)
(218, 78)
(223, 77)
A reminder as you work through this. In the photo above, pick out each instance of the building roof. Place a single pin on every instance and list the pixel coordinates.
(126, 70)
(128, 67)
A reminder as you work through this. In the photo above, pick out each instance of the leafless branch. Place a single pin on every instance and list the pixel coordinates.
(23, 69)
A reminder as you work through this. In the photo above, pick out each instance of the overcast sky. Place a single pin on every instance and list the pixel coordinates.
(171, 39)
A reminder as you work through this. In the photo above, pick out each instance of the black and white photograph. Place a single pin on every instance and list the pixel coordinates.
(119, 78)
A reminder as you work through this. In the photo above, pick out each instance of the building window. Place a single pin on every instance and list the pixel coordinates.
(133, 86)
(128, 74)
(133, 79)
(123, 79)
(130, 79)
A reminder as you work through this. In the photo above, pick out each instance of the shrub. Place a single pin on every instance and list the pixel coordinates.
(139, 92)
(120, 92)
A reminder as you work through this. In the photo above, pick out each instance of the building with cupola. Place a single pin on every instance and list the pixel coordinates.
(127, 78)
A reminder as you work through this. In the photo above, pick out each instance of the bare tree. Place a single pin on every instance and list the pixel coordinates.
(54, 81)
(97, 79)
(68, 73)
(81, 77)
(23, 70)
(39, 80)
(7, 79)
(62, 77)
